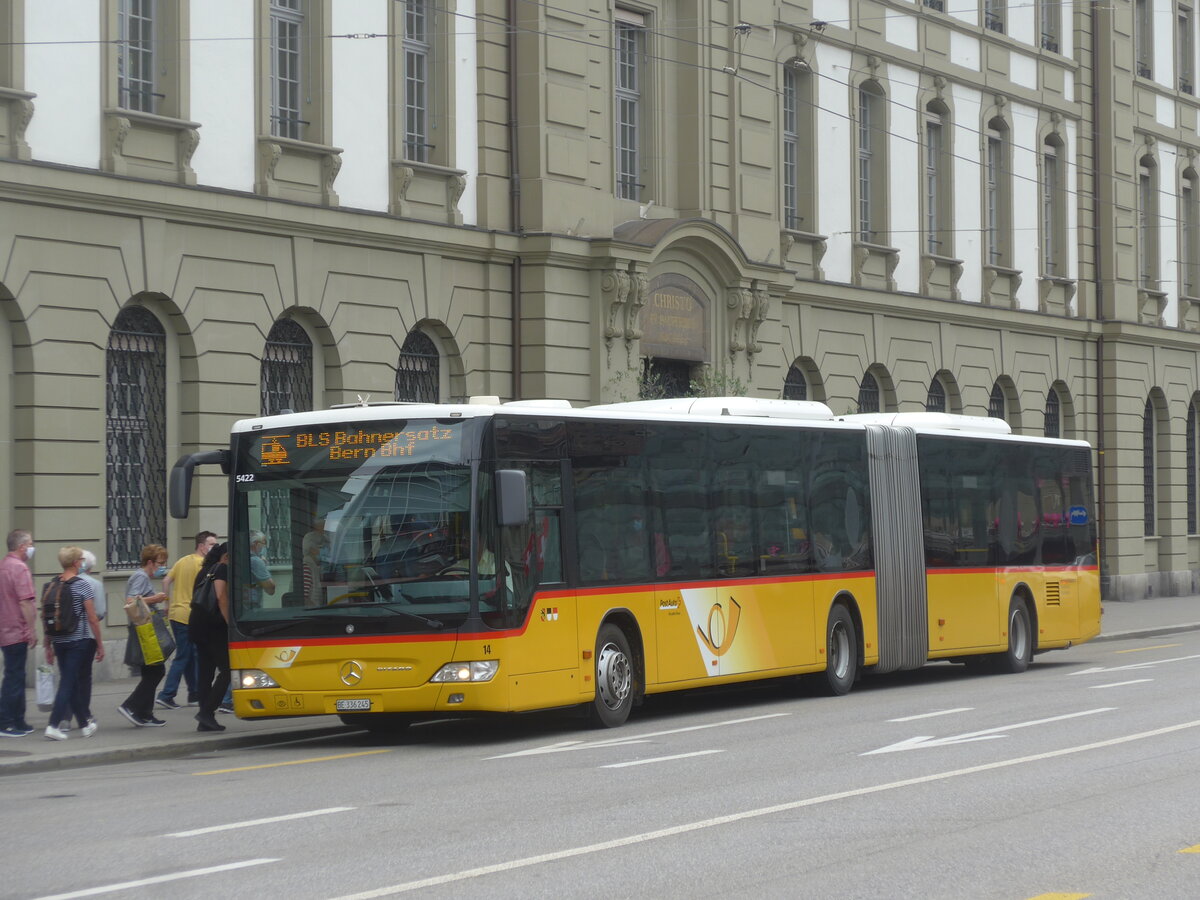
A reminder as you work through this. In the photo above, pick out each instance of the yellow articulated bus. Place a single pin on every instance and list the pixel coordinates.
(426, 560)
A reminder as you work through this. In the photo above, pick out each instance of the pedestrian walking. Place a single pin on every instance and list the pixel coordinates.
(74, 652)
(211, 636)
(87, 569)
(18, 633)
(138, 707)
(179, 583)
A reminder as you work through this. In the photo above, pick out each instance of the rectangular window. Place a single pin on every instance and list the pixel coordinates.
(1189, 236)
(417, 49)
(995, 156)
(1143, 38)
(938, 5)
(993, 15)
(933, 186)
(630, 42)
(865, 166)
(1184, 48)
(135, 55)
(1051, 24)
(287, 25)
(1051, 179)
(791, 141)
(1147, 228)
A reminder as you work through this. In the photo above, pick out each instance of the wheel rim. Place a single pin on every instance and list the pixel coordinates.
(1018, 631)
(839, 650)
(614, 676)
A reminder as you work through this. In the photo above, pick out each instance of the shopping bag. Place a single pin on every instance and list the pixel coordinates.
(162, 631)
(45, 687)
(137, 611)
(152, 653)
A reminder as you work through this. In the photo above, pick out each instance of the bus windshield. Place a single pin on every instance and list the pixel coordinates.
(341, 531)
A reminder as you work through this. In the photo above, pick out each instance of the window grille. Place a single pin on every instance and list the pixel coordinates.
(287, 25)
(1052, 420)
(1148, 468)
(665, 379)
(417, 49)
(135, 436)
(795, 385)
(418, 370)
(287, 369)
(135, 55)
(630, 43)
(935, 399)
(868, 394)
(996, 403)
(1191, 469)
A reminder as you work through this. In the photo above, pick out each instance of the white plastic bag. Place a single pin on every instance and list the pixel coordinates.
(45, 687)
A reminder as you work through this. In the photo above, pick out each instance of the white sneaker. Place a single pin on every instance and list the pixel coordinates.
(90, 728)
(55, 734)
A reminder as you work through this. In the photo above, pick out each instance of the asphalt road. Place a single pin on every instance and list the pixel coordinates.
(1077, 778)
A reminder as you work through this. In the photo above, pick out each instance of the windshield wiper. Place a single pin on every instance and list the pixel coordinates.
(364, 611)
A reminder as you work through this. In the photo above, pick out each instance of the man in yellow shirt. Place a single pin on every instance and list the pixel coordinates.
(179, 584)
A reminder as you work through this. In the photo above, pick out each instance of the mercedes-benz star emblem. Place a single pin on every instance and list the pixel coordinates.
(351, 673)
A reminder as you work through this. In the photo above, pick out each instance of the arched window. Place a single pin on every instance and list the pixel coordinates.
(418, 369)
(795, 386)
(868, 394)
(287, 369)
(1053, 416)
(1148, 469)
(996, 402)
(1190, 444)
(935, 400)
(135, 435)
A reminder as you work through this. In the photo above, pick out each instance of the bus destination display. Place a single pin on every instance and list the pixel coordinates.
(397, 442)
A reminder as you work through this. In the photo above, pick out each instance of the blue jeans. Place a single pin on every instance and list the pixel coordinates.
(12, 690)
(75, 681)
(185, 665)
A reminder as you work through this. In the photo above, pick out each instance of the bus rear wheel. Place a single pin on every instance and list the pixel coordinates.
(841, 652)
(614, 678)
(1020, 639)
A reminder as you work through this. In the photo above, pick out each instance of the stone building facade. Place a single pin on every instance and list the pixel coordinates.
(212, 210)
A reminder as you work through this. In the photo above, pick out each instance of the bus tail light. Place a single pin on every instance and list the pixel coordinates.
(458, 672)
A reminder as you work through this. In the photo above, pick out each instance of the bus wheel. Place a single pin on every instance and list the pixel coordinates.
(841, 652)
(382, 724)
(1020, 639)
(614, 678)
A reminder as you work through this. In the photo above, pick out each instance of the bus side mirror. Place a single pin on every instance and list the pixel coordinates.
(511, 507)
(179, 484)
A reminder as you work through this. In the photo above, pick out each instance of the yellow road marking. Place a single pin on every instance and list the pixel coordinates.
(295, 762)
(1195, 849)
(1140, 649)
(1060, 897)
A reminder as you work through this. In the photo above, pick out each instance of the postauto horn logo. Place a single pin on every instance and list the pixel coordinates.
(722, 627)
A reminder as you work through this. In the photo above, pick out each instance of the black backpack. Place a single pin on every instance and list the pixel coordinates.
(59, 616)
(204, 600)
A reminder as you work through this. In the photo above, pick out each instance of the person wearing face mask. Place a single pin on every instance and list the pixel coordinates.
(17, 631)
(138, 707)
(87, 568)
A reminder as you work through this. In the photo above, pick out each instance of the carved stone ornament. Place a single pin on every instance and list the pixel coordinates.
(639, 293)
(614, 285)
(762, 307)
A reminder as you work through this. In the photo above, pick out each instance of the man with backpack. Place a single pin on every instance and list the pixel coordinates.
(17, 631)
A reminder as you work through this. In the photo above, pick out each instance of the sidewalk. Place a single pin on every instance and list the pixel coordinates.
(118, 741)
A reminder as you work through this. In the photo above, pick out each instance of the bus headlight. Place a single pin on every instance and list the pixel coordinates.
(254, 678)
(458, 672)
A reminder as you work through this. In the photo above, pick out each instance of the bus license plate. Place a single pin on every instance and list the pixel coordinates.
(352, 705)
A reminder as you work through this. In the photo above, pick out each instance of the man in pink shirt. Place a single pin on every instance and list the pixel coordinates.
(17, 632)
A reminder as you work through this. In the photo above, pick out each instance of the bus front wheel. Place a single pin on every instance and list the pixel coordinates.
(614, 678)
(841, 652)
(1020, 639)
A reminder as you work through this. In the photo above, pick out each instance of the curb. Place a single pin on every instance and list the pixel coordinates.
(173, 750)
(1148, 632)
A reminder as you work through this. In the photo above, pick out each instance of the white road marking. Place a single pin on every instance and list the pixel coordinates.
(732, 818)
(1096, 687)
(643, 762)
(158, 879)
(930, 715)
(253, 822)
(1142, 665)
(622, 741)
(987, 734)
